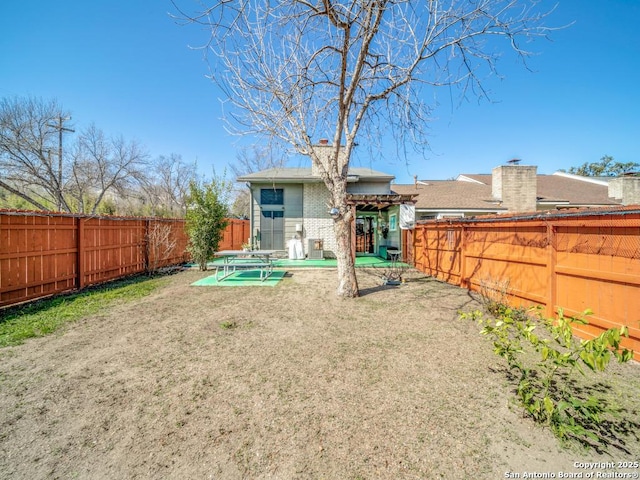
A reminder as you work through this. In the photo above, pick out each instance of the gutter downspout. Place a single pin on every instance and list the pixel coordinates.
(251, 216)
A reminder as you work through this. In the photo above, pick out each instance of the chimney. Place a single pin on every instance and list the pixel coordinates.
(625, 189)
(516, 186)
(323, 150)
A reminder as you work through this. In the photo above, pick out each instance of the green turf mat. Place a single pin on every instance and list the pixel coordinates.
(246, 278)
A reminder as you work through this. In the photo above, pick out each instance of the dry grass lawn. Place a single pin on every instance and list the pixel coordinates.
(287, 382)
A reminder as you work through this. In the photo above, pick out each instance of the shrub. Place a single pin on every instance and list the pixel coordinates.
(544, 355)
(205, 221)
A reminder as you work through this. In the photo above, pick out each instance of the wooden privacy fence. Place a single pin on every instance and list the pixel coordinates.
(46, 253)
(587, 259)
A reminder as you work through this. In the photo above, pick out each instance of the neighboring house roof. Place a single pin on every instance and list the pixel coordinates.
(304, 175)
(450, 195)
(559, 188)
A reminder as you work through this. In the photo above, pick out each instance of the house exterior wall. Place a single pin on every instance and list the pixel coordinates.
(305, 204)
(393, 236)
(293, 208)
(377, 188)
(317, 221)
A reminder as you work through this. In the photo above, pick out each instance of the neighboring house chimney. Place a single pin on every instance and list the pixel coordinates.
(625, 189)
(516, 186)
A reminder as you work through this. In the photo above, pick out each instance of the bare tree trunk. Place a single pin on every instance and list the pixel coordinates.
(342, 227)
(22, 195)
(347, 281)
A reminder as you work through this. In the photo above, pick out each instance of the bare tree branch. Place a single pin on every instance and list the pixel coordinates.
(102, 165)
(28, 149)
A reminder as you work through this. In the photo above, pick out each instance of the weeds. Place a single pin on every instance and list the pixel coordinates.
(544, 355)
(228, 325)
(44, 317)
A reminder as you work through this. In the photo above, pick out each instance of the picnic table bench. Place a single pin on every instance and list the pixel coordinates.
(234, 260)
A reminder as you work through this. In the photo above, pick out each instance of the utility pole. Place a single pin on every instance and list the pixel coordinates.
(61, 128)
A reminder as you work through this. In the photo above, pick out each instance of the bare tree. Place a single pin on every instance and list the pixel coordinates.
(29, 150)
(299, 70)
(104, 165)
(33, 166)
(167, 188)
(255, 158)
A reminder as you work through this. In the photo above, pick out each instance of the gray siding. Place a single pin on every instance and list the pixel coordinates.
(363, 187)
(293, 207)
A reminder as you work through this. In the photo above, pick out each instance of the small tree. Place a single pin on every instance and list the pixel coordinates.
(206, 220)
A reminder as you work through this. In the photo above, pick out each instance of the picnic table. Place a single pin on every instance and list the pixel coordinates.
(234, 260)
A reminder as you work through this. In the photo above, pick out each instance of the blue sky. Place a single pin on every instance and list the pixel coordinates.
(127, 67)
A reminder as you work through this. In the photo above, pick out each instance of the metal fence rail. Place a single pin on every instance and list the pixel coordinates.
(575, 261)
(46, 253)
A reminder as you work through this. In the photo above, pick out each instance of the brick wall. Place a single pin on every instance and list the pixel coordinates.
(317, 221)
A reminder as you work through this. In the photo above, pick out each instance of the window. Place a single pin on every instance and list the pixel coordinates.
(393, 222)
(271, 196)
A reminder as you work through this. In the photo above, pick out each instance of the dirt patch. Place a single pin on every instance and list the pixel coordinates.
(285, 382)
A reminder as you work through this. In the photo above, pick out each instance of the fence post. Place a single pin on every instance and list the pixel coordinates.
(463, 258)
(146, 245)
(232, 224)
(80, 262)
(552, 259)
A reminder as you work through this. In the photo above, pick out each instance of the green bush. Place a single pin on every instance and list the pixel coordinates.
(544, 354)
(205, 221)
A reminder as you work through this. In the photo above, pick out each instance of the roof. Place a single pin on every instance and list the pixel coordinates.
(450, 195)
(559, 188)
(304, 175)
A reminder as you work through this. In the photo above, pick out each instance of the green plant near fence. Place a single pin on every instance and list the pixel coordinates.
(206, 220)
(544, 356)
